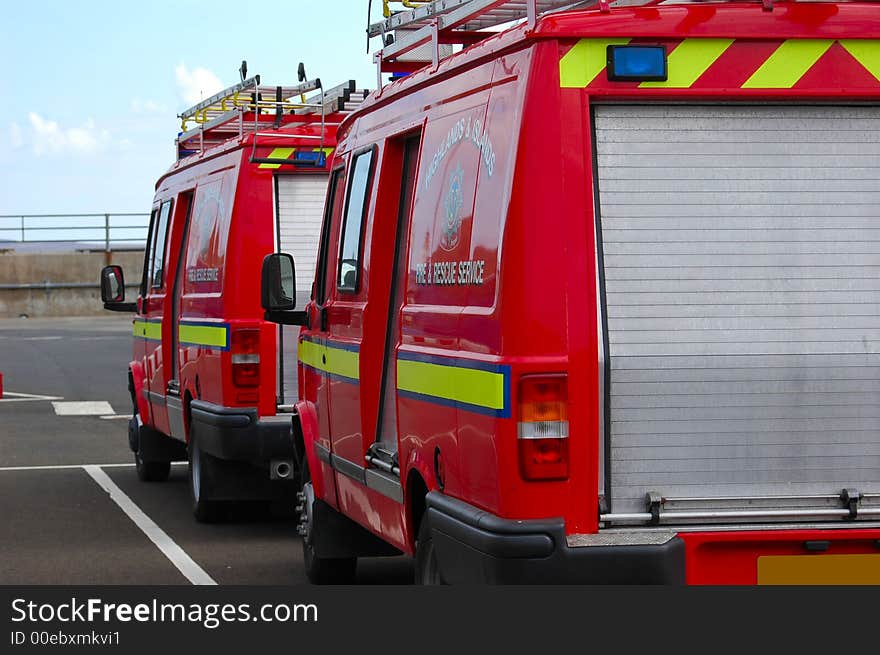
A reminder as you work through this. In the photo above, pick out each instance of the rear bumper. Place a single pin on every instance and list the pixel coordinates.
(239, 434)
(475, 546)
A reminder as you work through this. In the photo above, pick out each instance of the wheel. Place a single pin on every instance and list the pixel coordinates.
(146, 471)
(427, 570)
(134, 430)
(319, 570)
(151, 471)
(200, 465)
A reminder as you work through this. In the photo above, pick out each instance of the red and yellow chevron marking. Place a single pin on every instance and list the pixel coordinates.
(287, 153)
(703, 63)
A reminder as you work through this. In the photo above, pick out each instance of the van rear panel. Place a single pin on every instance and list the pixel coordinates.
(299, 212)
(740, 265)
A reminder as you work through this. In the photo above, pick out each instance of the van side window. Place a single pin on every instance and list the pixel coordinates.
(158, 254)
(332, 213)
(348, 271)
(151, 239)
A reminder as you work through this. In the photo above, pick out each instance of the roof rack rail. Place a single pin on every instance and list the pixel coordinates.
(464, 21)
(427, 24)
(451, 21)
(251, 107)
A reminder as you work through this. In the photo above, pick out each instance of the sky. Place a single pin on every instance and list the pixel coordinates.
(92, 87)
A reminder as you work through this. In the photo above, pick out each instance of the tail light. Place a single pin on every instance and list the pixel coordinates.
(246, 357)
(543, 427)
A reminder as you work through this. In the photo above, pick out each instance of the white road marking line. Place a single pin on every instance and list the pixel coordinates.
(121, 336)
(57, 467)
(114, 416)
(40, 338)
(25, 397)
(83, 408)
(184, 563)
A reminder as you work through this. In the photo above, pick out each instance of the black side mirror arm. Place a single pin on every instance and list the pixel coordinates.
(120, 306)
(287, 317)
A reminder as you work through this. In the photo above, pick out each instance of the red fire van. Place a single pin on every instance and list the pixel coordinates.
(597, 299)
(208, 379)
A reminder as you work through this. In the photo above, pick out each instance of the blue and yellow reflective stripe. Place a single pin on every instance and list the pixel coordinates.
(455, 382)
(340, 361)
(213, 335)
(191, 333)
(449, 381)
(151, 330)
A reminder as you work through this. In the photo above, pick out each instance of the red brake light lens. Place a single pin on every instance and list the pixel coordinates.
(543, 427)
(246, 357)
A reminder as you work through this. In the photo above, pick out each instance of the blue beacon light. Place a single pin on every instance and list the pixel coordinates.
(637, 63)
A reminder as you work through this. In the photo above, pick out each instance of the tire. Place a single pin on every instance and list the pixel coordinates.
(320, 570)
(427, 569)
(146, 471)
(200, 469)
(151, 471)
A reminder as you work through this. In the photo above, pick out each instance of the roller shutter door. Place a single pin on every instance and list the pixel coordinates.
(741, 264)
(300, 212)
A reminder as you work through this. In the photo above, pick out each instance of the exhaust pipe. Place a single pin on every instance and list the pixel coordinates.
(281, 469)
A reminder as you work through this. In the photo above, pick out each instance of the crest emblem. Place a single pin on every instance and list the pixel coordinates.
(452, 211)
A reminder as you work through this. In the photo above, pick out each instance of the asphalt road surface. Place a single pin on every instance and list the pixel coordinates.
(72, 508)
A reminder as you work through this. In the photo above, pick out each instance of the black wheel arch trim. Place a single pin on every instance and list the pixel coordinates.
(475, 545)
(466, 523)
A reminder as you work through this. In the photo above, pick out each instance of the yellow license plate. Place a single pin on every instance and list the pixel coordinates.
(819, 570)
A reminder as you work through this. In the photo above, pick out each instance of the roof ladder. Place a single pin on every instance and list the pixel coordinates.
(251, 107)
(449, 21)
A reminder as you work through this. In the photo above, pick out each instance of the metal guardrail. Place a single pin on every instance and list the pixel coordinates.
(105, 230)
(55, 286)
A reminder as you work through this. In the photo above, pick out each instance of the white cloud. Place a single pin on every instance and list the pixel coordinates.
(139, 106)
(197, 84)
(48, 137)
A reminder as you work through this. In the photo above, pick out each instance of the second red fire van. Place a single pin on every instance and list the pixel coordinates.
(209, 380)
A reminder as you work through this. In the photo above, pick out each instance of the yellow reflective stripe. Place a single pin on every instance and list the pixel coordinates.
(310, 354)
(788, 63)
(867, 53)
(336, 361)
(580, 65)
(146, 330)
(278, 153)
(455, 383)
(204, 335)
(343, 362)
(690, 60)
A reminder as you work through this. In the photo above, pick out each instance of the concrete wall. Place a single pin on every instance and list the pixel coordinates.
(58, 268)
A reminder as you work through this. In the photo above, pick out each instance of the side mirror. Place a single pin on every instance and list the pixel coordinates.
(112, 284)
(113, 290)
(278, 290)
